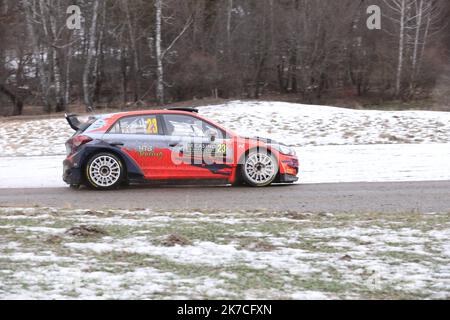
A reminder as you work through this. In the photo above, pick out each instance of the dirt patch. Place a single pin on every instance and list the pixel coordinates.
(53, 240)
(297, 215)
(86, 231)
(260, 246)
(94, 213)
(393, 138)
(346, 258)
(176, 240)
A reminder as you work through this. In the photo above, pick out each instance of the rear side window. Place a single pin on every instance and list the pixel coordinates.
(92, 124)
(145, 125)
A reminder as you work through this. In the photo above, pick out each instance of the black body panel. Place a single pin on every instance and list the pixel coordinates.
(74, 165)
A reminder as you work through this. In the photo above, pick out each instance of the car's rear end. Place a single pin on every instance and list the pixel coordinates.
(83, 136)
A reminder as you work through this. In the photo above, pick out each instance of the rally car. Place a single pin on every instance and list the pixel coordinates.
(170, 146)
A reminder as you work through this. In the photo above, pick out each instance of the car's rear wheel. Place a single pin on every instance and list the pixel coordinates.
(260, 168)
(104, 171)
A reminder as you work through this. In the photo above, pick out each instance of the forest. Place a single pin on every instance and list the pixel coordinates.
(92, 54)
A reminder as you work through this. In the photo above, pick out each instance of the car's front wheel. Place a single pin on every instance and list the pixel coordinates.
(104, 171)
(260, 168)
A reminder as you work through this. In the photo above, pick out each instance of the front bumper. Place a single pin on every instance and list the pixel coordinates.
(289, 169)
(287, 178)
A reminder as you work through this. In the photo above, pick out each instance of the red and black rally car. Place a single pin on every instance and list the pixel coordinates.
(170, 146)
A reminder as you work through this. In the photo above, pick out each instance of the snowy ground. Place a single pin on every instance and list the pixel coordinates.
(334, 145)
(308, 125)
(46, 253)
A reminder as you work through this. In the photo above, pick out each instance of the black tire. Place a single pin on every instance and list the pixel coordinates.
(104, 171)
(252, 180)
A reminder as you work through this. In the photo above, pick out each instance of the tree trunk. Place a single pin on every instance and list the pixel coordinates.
(123, 60)
(229, 17)
(416, 47)
(134, 49)
(56, 62)
(48, 23)
(67, 82)
(90, 55)
(401, 48)
(98, 60)
(15, 99)
(424, 44)
(43, 80)
(60, 105)
(159, 55)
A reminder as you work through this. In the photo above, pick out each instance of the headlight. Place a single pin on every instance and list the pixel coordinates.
(285, 150)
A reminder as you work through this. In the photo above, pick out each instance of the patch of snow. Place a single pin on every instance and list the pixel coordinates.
(309, 295)
(306, 125)
(43, 257)
(34, 138)
(374, 163)
(53, 231)
(31, 172)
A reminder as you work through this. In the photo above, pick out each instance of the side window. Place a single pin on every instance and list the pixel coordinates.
(186, 126)
(145, 125)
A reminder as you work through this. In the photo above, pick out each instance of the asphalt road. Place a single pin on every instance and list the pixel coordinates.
(341, 197)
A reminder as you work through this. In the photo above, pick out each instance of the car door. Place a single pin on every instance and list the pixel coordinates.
(141, 137)
(199, 149)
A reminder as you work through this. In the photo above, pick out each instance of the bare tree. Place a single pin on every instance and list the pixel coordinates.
(30, 11)
(90, 55)
(400, 9)
(305, 50)
(160, 53)
(426, 16)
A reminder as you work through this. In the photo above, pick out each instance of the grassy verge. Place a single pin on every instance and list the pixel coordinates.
(69, 254)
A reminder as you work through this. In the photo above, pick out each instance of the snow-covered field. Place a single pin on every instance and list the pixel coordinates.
(308, 125)
(294, 124)
(73, 254)
(334, 145)
(141, 254)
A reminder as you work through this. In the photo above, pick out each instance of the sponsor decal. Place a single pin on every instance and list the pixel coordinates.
(152, 126)
(148, 151)
(202, 148)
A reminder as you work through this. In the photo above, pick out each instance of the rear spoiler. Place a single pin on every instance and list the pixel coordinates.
(186, 109)
(73, 121)
(76, 124)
